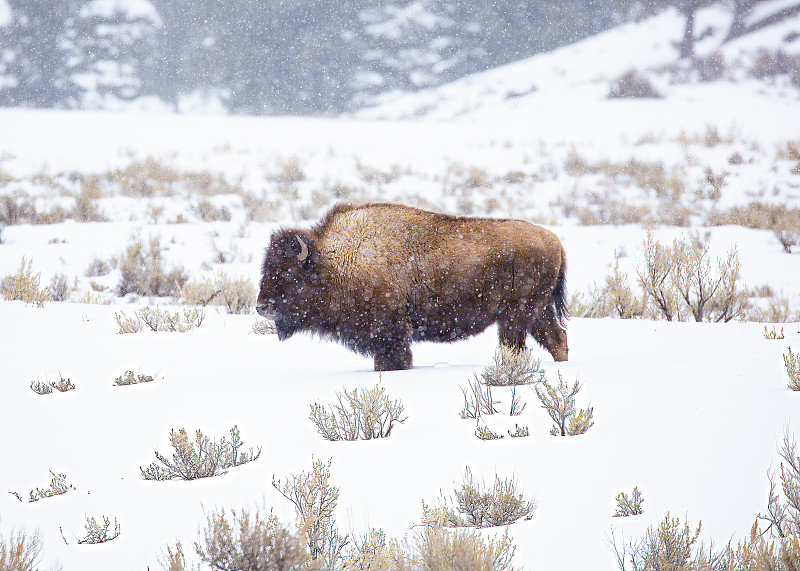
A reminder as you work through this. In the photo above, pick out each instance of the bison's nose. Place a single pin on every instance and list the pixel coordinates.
(263, 311)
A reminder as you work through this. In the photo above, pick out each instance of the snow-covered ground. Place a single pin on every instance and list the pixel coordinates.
(689, 413)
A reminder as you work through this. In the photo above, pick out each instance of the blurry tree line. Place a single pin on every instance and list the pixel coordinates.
(279, 56)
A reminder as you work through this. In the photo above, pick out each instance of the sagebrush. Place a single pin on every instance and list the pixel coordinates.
(559, 402)
(478, 506)
(204, 458)
(24, 285)
(236, 295)
(359, 414)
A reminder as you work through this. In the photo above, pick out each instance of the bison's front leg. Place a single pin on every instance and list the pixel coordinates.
(391, 346)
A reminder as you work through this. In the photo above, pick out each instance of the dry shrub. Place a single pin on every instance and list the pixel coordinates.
(615, 298)
(769, 64)
(559, 402)
(16, 208)
(207, 212)
(632, 84)
(142, 271)
(361, 414)
(756, 553)
(159, 320)
(131, 378)
(671, 546)
(792, 363)
(783, 221)
(711, 67)
(679, 281)
(59, 288)
(96, 533)
(512, 367)
(373, 175)
(237, 295)
(245, 540)
(24, 286)
(98, 267)
(611, 211)
(86, 209)
(21, 551)
(628, 506)
(479, 507)
(315, 500)
(437, 548)
(290, 171)
(203, 459)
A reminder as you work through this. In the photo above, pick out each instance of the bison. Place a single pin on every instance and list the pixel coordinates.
(376, 277)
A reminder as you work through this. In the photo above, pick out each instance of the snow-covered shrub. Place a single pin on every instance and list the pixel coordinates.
(128, 324)
(159, 320)
(131, 378)
(483, 432)
(783, 514)
(769, 64)
(360, 414)
(478, 400)
(756, 553)
(628, 506)
(670, 545)
(519, 431)
(512, 367)
(622, 301)
(559, 402)
(680, 282)
(207, 212)
(16, 208)
(314, 500)
(792, 364)
(99, 533)
(24, 285)
(773, 334)
(59, 288)
(58, 486)
(478, 506)
(437, 547)
(203, 459)
(99, 267)
(263, 327)
(86, 209)
(244, 540)
(142, 271)
(236, 295)
(632, 84)
(20, 550)
(289, 171)
(62, 385)
(711, 67)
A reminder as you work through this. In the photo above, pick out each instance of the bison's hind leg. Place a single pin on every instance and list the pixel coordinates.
(391, 347)
(550, 334)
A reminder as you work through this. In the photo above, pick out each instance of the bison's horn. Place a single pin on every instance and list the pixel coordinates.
(303, 250)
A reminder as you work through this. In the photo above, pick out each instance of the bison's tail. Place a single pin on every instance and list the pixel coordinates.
(560, 293)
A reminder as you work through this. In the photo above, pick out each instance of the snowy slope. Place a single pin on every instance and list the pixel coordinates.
(579, 74)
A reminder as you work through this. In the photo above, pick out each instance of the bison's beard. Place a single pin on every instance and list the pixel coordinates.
(285, 327)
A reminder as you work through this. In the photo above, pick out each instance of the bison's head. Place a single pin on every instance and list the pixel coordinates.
(289, 281)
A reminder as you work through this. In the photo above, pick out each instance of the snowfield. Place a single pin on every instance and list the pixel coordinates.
(690, 413)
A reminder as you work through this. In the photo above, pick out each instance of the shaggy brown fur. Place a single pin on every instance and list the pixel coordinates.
(378, 276)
